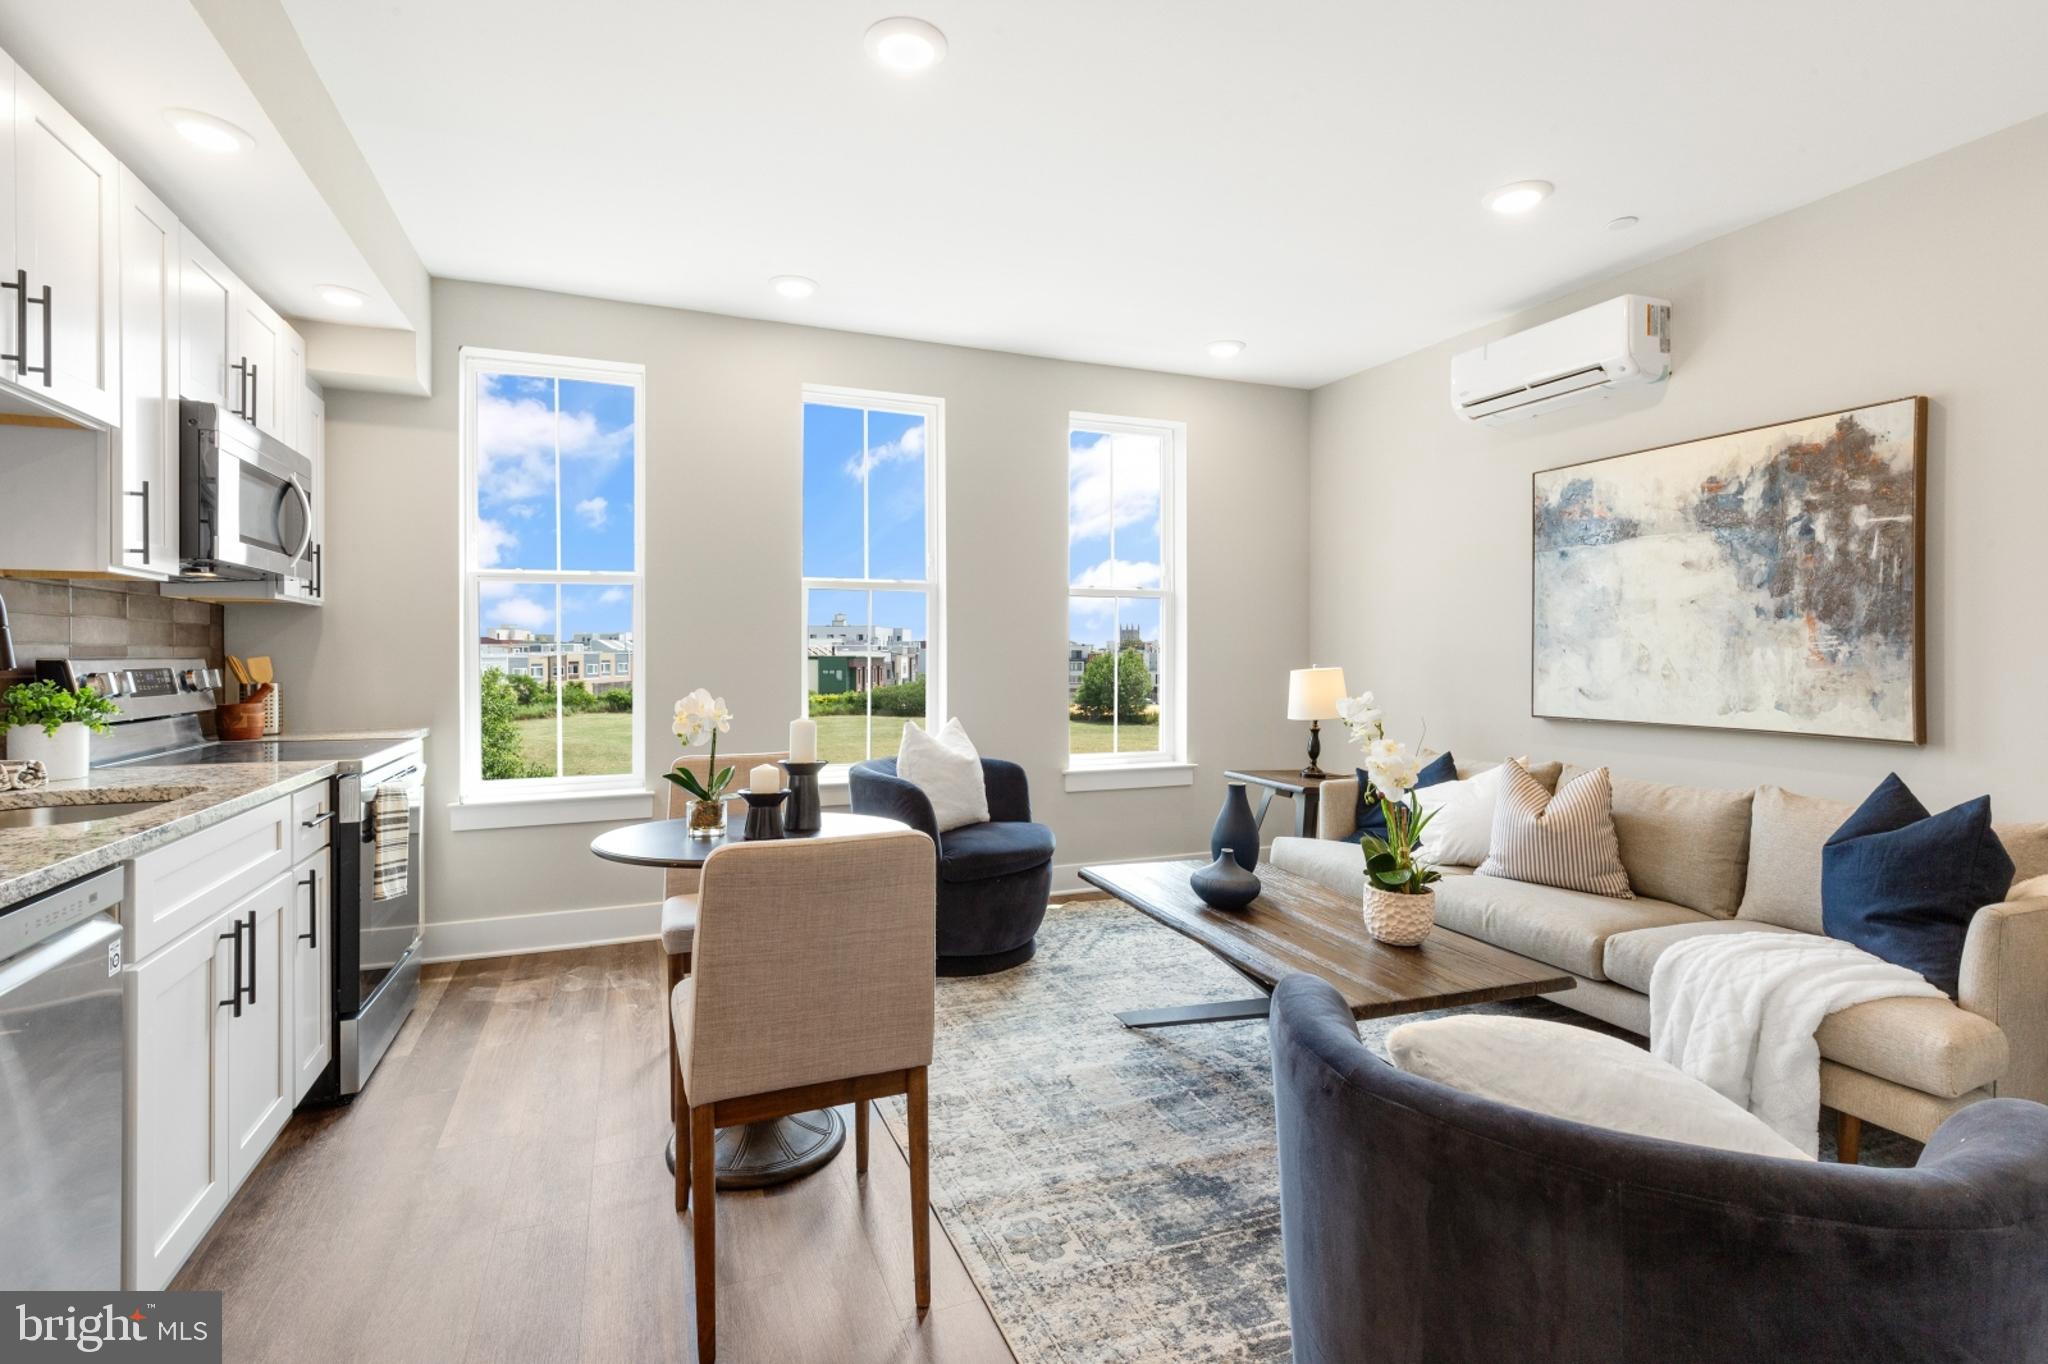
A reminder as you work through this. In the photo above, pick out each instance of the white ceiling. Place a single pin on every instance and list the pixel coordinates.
(1123, 182)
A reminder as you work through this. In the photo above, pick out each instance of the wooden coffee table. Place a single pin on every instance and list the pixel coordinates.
(1301, 925)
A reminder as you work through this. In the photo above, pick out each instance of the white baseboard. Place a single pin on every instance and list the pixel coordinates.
(1066, 876)
(552, 930)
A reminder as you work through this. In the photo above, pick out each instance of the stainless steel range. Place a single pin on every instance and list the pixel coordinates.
(376, 942)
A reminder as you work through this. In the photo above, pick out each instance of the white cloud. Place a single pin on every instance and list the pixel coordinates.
(517, 436)
(909, 445)
(592, 512)
(521, 612)
(1120, 573)
(612, 596)
(1086, 614)
(525, 511)
(1137, 464)
(493, 541)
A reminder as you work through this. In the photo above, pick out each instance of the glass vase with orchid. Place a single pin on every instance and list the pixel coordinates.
(699, 719)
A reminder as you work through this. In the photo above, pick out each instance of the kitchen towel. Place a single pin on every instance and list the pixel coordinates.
(391, 828)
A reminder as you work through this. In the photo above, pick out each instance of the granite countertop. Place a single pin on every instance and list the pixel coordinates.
(38, 859)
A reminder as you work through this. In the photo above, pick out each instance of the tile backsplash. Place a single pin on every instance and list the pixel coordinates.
(107, 618)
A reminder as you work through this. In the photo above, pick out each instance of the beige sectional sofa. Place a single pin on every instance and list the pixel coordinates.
(1713, 861)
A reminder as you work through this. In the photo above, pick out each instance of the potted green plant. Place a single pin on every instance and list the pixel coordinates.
(49, 724)
(702, 717)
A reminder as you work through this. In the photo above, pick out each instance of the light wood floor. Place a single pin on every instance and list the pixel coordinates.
(498, 1194)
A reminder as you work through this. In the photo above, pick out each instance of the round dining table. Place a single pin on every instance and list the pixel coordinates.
(751, 1155)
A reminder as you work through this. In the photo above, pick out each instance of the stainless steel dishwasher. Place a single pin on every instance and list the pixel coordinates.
(62, 1073)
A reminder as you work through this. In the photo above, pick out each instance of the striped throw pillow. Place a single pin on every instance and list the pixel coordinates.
(1566, 840)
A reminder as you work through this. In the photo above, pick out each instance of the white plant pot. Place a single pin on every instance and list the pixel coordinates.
(1399, 920)
(63, 754)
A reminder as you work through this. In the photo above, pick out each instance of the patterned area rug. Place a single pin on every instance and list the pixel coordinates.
(1114, 1193)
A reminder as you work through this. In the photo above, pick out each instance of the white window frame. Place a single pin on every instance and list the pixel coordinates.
(545, 800)
(933, 584)
(1170, 765)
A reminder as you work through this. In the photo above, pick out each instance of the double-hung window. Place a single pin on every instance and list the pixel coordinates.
(873, 569)
(1125, 688)
(552, 479)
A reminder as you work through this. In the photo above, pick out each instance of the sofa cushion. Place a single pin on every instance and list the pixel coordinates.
(1903, 884)
(1338, 865)
(945, 766)
(1563, 928)
(1926, 1044)
(1581, 1076)
(1786, 831)
(976, 852)
(1546, 773)
(2027, 845)
(1685, 844)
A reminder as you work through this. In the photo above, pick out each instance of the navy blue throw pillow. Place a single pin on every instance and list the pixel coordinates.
(1903, 884)
(1441, 768)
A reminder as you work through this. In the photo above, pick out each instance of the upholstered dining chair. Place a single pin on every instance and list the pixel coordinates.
(679, 892)
(811, 985)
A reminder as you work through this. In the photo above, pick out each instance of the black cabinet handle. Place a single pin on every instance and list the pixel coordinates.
(254, 959)
(253, 391)
(319, 572)
(312, 885)
(144, 495)
(20, 286)
(240, 370)
(235, 995)
(44, 368)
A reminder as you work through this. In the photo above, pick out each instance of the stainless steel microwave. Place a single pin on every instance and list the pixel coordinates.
(245, 499)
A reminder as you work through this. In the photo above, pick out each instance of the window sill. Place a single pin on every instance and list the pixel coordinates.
(525, 812)
(1129, 777)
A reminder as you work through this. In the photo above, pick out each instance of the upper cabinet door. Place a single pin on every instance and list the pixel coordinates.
(67, 190)
(291, 388)
(10, 340)
(259, 333)
(208, 300)
(146, 494)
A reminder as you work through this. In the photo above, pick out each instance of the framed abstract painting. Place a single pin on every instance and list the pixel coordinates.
(1769, 579)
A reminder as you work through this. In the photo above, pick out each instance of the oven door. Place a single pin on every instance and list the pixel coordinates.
(247, 508)
(388, 929)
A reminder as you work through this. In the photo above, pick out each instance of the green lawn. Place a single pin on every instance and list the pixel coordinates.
(594, 743)
(1096, 736)
(843, 738)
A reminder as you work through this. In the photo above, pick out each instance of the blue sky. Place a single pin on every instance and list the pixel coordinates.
(889, 463)
(1113, 506)
(522, 423)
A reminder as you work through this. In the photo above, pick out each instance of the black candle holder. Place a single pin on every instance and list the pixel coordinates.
(764, 814)
(805, 814)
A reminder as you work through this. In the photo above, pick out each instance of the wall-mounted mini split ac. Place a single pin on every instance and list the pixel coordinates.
(1589, 354)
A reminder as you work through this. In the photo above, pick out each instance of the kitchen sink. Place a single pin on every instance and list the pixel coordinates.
(37, 816)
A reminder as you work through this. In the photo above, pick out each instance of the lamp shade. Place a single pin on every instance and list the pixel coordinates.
(1313, 693)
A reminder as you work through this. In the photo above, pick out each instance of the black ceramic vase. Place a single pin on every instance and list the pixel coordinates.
(1236, 829)
(1223, 884)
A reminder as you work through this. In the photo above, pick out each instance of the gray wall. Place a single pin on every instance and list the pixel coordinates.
(1930, 280)
(723, 450)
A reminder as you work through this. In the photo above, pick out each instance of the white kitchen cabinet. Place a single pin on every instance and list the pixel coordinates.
(209, 296)
(64, 285)
(261, 1076)
(145, 494)
(259, 344)
(312, 994)
(180, 1003)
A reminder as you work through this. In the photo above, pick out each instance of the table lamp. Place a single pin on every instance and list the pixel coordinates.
(1312, 695)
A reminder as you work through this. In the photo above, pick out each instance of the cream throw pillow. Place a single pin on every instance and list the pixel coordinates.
(947, 769)
(1580, 1075)
(1565, 840)
(1460, 832)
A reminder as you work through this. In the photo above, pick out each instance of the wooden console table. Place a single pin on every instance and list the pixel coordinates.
(1305, 792)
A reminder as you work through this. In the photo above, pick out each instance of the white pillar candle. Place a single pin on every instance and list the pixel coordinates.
(803, 741)
(766, 777)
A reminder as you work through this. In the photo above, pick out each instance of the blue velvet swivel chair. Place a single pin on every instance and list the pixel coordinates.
(1425, 1224)
(994, 878)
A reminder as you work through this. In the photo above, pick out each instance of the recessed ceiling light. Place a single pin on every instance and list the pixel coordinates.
(1519, 197)
(1623, 223)
(340, 296)
(794, 286)
(208, 133)
(906, 45)
(1225, 350)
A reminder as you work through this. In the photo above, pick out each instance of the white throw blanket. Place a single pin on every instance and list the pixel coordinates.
(1738, 1012)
